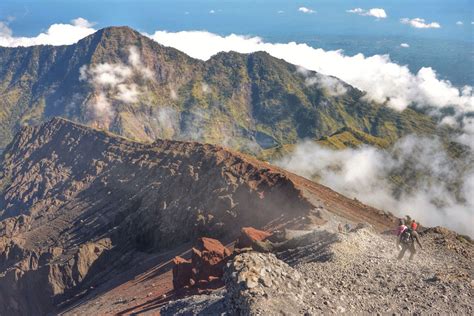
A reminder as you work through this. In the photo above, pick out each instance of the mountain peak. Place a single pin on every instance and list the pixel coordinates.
(115, 34)
(119, 32)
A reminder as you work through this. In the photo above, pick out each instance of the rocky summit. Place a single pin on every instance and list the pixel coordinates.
(90, 222)
(93, 223)
(358, 274)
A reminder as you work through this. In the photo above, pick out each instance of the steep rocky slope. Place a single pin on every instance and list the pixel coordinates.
(248, 102)
(345, 273)
(85, 214)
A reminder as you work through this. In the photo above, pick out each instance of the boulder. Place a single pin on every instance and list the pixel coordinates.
(205, 268)
(249, 235)
(182, 271)
(208, 259)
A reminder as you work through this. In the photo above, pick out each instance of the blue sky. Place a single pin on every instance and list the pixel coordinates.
(257, 17)
(448, 49)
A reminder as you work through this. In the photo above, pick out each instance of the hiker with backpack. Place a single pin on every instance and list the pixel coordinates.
(407, 241)
(400, 229)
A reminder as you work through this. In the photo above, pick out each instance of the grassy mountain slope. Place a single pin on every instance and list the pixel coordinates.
(247, 102)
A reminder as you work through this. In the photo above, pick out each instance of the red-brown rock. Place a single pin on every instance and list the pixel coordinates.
(182, 272)
(206, 266)
(208, 258)
(248, 235)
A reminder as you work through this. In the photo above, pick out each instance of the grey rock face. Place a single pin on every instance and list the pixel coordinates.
(261, 284)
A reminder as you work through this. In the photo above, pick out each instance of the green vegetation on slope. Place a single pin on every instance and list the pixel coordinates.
(254, 103)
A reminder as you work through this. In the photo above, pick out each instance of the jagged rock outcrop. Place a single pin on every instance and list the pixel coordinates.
(249, 235)
(79, 198)
(354, 273)
(204, 269)
(182, 272)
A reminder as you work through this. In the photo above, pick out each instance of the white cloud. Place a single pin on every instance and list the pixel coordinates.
(356, 11)
(280, 11)
(81, 22)
(420, 23)
(404, 45)
(332, 86)
(106, 75)
(212, 11)
(364, 173)
(467, 137)
(375, 12)
(114, 82)
(459, 23)
(57, 34)
(127, 93)
(134, 59)
(306, 10)
(5, 31)
(100, 108)
(382, 79)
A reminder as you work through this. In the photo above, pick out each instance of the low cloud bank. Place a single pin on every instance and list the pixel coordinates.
(56, 34)
(364, 174)
(382, 79)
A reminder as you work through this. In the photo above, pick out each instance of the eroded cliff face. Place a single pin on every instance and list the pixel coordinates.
(76, 203)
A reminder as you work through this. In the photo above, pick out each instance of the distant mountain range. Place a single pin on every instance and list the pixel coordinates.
(122, 81)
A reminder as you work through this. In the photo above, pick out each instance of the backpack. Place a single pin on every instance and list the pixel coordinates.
(407, 236)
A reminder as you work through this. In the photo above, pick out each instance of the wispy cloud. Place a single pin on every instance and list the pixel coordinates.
(332, 86)
(114, 82)
(459, 23)
(420, 23)
(374, 12)
(81, 22)
(404, 45)
(5, 31)
(306, 10)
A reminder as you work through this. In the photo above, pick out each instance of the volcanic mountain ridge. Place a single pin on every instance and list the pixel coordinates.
(83, 211)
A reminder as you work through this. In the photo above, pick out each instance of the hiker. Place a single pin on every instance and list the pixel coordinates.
(400, 229)
(407, 241)
(339, 228)
(347, 227)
